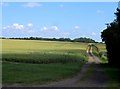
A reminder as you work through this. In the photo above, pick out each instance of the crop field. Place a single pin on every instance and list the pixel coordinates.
(33, 61)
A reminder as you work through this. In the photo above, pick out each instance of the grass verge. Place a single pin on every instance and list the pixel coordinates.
(113, 75)
(24, 73)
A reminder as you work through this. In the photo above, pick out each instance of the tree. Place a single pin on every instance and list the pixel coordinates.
(111, 36)
(81, 39)
(118, 16)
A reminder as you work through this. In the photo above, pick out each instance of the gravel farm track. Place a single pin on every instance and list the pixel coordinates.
(91, 75)
(96, 79)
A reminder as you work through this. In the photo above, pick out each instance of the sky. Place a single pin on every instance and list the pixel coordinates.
(56, 19)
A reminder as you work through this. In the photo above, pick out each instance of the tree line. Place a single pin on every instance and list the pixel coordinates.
(81, 39)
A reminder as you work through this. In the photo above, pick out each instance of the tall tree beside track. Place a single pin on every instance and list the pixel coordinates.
(111, 37)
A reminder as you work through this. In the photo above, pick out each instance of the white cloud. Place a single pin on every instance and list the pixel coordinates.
(54, 28)
(14, 26)
(99, 12)
(93, 33)
(4, 28)
(50, 29)
(29, 24)
(44, 29)
(32, 4)
(17, 26)
(77, 27)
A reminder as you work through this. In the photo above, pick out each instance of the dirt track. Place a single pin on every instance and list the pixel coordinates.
(95, 79)
(91, 75)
